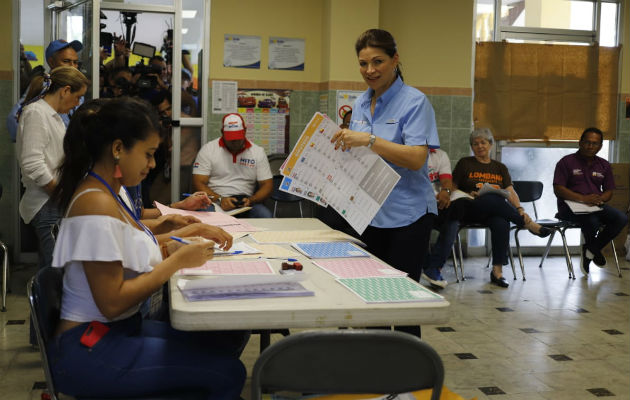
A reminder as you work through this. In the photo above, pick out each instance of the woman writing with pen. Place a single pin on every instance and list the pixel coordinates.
(112, 263)
(396, 122)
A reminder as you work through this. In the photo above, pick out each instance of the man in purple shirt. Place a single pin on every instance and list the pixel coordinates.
(586, 178)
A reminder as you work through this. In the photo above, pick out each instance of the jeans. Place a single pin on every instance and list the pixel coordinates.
(139, 358)
(613, 219)
(258, 210)
(403, 248)
(447, 223)
(44, 221)
(496, 212)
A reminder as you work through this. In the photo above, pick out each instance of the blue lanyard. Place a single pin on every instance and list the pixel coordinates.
(129, 211)
(137, 201)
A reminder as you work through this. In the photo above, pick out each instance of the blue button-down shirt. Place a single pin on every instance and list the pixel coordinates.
(402, 115)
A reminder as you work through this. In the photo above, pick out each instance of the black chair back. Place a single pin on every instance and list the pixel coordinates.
(528, 191)
(348, 361)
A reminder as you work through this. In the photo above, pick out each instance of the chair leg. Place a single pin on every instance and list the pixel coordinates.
(461, 257)
(519, 253)
(5, 275)
(512, 262)
(275, 204)
(455, 263)
(612, 244)
(567, 254)
(546, 253)
(300, 204)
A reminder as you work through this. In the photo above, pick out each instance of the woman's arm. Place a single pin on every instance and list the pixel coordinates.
(214, 233)
(114, 295)
(34, 143)
(411, 157)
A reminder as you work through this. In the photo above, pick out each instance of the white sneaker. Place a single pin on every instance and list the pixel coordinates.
(439, 281)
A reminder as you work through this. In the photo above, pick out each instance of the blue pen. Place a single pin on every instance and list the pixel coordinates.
(180, 240)
(186, 194)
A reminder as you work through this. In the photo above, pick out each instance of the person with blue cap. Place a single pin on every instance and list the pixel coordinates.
(58, 53)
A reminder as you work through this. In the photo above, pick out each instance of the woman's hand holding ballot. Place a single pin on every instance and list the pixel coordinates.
(214, 233)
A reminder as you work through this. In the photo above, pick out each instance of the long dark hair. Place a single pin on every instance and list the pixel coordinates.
(380, 39)
(93, 127)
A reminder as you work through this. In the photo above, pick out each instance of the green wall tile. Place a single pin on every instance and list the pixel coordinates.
(462, 112)
(443, 112)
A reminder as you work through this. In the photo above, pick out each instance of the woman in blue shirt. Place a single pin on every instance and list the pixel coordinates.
(397, 122)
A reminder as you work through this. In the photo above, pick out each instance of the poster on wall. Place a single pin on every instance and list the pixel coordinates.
(224, 97)
(240, 51)
(286, 54)
(266, 115)
(345, 101)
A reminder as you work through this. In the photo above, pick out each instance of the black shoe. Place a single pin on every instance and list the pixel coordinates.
(584, 265)
(543, 232)
(501, 282)
(599, 259)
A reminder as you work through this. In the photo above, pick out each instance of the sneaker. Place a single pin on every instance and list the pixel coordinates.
(585, 262)
(434, 277)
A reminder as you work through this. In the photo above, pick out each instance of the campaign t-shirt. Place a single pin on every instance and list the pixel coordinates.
(470, 175)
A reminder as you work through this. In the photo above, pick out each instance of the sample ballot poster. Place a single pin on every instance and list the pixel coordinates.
(240, 51)
(355, 183)
(266, 115)
(286, 53)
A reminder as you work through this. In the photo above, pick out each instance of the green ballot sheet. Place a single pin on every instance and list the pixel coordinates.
(389, 289)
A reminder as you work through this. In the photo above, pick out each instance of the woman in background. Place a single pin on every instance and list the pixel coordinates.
(494, 210)
(40, 148)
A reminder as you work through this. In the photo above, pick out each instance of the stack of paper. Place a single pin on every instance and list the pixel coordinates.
(581, 208)
(330, 250)
(243, 287)
(230, 268)
(357, 268)
(227, 222)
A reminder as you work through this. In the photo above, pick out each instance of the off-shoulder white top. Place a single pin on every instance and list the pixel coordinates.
(98, 238)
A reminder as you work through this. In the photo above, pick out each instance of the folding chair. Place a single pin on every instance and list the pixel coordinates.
(5, 269)
(348, 361)
(278, 196)
(44, 296)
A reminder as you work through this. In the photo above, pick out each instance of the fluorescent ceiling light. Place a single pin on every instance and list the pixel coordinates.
(184, 31)
(189, 13)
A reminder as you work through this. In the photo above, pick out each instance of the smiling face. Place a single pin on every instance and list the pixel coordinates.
(481, 148)
(377, 69)
(136, 162)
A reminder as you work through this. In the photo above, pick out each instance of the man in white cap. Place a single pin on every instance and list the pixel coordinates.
(58, 53)
(228, 169)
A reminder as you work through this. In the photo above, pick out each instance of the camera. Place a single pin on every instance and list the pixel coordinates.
(148, 78)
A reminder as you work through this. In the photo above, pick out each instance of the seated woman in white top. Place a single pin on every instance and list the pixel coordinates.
(112, 263)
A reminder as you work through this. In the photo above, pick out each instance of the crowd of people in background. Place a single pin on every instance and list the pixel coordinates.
(91, 172)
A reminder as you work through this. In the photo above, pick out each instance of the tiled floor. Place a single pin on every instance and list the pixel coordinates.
(546, 338)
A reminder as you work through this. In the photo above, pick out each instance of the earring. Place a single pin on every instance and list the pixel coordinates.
(117, 171)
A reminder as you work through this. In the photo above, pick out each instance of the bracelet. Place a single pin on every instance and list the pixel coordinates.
(519, 208)
(164, 250)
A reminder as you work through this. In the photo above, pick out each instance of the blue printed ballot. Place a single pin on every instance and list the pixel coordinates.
(330, 250)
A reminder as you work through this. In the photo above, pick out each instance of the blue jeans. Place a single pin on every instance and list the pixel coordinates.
(44, 221)
(442, 247)
(613, 219)
(139, 358)
(496, 212)
(258, 210)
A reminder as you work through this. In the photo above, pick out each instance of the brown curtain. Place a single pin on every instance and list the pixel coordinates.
(545, 91)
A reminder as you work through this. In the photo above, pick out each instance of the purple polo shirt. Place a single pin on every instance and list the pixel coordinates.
(574, 173)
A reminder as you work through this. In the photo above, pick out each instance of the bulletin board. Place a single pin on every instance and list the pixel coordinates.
(266, 115)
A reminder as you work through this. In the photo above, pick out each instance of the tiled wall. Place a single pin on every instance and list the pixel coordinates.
(453, 115)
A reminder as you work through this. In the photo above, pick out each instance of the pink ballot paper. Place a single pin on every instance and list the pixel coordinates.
(227, 222)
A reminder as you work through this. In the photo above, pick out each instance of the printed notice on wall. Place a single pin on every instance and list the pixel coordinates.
(224, 97)
(240, 51)
(345, 101)
(286, 53)
(266, 115)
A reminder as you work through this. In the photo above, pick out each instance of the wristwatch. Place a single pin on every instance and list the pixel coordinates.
(447, 190)
(219, 199)
(371, 142)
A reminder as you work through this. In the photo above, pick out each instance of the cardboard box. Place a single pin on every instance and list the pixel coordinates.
(621, 173)
(620, 199)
